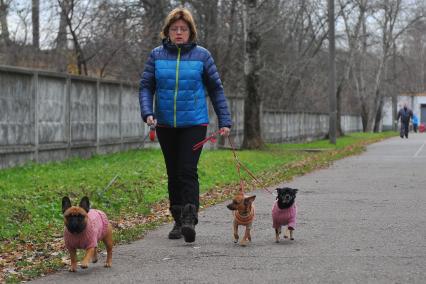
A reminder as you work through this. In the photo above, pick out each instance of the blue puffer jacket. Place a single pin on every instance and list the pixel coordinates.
(178, 75)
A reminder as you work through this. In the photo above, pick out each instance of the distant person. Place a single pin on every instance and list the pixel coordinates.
(405, 114)
(415, 122)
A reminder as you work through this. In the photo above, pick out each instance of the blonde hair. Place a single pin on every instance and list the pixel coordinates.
(179, 14)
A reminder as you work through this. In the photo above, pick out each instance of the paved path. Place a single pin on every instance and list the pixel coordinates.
(363, 220)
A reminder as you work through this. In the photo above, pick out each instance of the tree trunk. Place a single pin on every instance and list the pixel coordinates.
(228, 49)
(212, 30)
(332, 74)
(394, 92)
(252, 103)
(61, 39)
(339, 130)
(4, 36)
(378, 118)
(364, 116)
(36, 23)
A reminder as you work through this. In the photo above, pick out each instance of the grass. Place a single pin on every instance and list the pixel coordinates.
(30, 196)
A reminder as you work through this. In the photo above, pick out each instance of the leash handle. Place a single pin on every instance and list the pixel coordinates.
(211, 138)
(152, 132)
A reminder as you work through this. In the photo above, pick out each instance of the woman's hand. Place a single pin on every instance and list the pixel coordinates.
(151, 121)
(224, 131)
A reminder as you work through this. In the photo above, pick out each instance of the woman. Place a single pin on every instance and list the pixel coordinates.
(177, 73)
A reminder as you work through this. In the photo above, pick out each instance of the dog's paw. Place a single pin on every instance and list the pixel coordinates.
(72, 269)
(84, 265)
(243, 243)
(236, 238)
(108, 264)
(292, 239)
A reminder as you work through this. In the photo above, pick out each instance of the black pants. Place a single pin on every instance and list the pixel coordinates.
(181, 162)
(415, 127)
(404, 129)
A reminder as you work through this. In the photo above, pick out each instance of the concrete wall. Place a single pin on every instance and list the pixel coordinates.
(300, 126)
(47, 116)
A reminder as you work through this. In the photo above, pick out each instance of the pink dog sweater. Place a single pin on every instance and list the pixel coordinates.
(282, 217)
(95, 231)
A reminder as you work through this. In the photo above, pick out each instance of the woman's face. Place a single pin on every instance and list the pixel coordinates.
(179, 32)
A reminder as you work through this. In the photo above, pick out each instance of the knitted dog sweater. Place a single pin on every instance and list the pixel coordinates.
(96, 229)
(244, 220)
(282, 217)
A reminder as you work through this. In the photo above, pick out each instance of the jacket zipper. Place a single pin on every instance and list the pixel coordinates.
(176, 87)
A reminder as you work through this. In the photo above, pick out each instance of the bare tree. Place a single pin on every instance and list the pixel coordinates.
(61, 38)
(4, 37)
(294, 58)
(79, 15)
(352, 34)
(252, 104)
(279, 44)
(36, 23)
(390, 32)
(332, 72)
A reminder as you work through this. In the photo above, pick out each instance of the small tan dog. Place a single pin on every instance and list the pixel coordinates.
(243, 215)
(84, 228)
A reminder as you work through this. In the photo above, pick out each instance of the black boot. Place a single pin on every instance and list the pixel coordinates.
(176, 233)
(189, 220)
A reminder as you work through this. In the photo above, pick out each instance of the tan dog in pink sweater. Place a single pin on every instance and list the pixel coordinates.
(84, 228)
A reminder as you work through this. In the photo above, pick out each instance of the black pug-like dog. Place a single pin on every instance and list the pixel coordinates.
(284, 212)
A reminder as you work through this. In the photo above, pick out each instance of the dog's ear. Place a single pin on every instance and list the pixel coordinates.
(250, 199)
(295, 190)
(85, 204)
(66, 203)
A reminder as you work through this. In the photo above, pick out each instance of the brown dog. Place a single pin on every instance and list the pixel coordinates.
(243, 215)
(84, 228)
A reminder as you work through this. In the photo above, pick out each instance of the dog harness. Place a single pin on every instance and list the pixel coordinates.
(244, 220)
(95, 230)
(282, 217)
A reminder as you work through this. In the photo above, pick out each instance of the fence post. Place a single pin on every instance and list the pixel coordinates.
(68, 109)
(120, 118)
(35, 99)
(262, 132)
(234, 110)
(281, 127)
(98, 85)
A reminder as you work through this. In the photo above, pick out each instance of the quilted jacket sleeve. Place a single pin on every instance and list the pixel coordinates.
(216, 93)
(147, 88)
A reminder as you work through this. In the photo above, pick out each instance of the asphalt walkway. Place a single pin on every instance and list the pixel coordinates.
(363, 220)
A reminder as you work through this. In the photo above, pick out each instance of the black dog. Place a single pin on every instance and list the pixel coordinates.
(284, 212)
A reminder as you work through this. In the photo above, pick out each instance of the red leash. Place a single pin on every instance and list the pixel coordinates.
(238, 164)
(211, 138)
